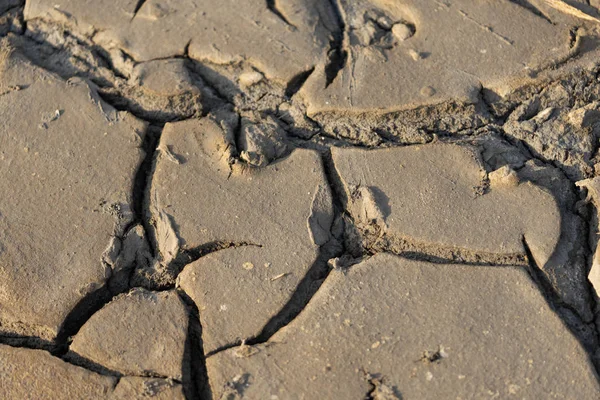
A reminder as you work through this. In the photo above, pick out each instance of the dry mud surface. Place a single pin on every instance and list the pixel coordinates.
(299, 199)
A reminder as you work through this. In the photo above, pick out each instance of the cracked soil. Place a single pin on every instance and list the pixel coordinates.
(299, 199)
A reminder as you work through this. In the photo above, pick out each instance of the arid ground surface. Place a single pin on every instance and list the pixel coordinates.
(299, 199)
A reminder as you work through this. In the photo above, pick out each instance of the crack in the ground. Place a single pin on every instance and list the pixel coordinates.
(312, 280)
(143, 182)
(527, 5)
(337, 59)
(188, 256)
(565, 312)
(52, 349)
(338, 53)
(195, 376)
(272, 7)
(304, 292)
(594, 306)
(28, 342)
(297, 82)
(439, 254)
(80, 315)
(137, 8)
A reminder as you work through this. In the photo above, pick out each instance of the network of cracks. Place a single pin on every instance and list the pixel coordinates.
(253, 205)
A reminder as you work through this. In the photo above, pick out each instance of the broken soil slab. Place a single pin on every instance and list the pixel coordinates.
(435, 76)
(218, 32)
(424, 331)
(158, 90)
(271, 221)
(138, 333)
(433, 198)
(568, 266)
(35, 374)
(454, 48)
(438, 201)
(566, 270)
(67, 165)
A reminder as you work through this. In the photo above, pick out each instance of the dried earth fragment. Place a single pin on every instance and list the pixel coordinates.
(67, 165)
(138, 333)
(268, 222)
(447, 52)
(424, 331)
(432, 197)
(221, 33)
(568, 265)
(157, 90)
(35, 374)
(163, 89)
(437, 200)
(560, 125)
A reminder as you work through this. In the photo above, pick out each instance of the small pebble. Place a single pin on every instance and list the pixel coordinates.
(402, 31)
(250, 78)
(415, 54)
(427, 91)
(384, 22)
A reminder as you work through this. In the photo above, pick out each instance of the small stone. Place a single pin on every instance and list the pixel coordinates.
(544, 115)
(415, 54)
(504, 176)
(248, 266)
(427, 91)
(250, 78)
(384, 22)
(402, 31)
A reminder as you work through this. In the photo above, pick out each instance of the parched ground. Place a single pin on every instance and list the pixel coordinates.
(299, 199)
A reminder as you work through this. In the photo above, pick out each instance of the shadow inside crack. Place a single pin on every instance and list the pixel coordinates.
(78, 316)
(306, 289)
(195, 375)
(586, 335)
